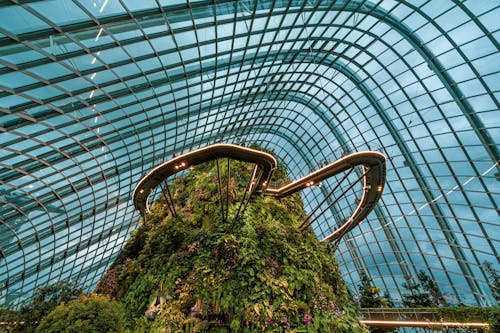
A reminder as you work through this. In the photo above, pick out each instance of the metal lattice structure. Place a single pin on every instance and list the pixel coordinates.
(96, 93)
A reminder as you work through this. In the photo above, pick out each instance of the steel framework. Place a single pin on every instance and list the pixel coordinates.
(93, 94)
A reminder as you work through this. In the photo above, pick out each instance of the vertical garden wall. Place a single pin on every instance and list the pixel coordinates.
(202, 268)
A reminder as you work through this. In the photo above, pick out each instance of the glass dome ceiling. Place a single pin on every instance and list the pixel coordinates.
(96, 93)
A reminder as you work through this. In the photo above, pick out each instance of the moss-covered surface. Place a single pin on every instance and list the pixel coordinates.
(257, 273)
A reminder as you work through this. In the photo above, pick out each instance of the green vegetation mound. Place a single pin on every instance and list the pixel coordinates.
(87, 314)
(256, 273)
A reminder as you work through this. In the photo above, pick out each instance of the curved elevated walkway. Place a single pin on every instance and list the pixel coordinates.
(374, 170)
(372, 162)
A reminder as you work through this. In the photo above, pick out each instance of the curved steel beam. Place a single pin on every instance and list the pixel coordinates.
(353, 6)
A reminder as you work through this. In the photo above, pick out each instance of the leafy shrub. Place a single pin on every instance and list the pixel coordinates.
(491, 315)
(87, 314)
(45, 299)
(424, 293)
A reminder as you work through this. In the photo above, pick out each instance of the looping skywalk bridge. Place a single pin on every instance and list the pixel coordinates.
(373, 174)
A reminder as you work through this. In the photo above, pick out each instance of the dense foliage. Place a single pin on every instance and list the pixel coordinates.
(87, 314)
(490, 315)
(199, 272)
(369, 297)
(369, 294)
(494, 281)
(43, 301)
(423, 293)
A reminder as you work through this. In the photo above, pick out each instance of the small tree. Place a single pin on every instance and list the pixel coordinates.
(494, 281)
(415, 298)
(87, 314)
(424, 293)
(45, 300)
(369, 294)
(369, 298)
(428, 284)
(390, 301)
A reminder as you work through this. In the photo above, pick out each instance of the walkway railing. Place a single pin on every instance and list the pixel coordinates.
(418, 317)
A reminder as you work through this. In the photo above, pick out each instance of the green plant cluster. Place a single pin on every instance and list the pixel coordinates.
(88, 314)
(369, 297)
(200, 272)
(369, 294)
(45, 299)
(494, 280)
(423, 293)
(491, 315)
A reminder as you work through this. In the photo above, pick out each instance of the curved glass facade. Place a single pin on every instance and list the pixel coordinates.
(95, 93)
